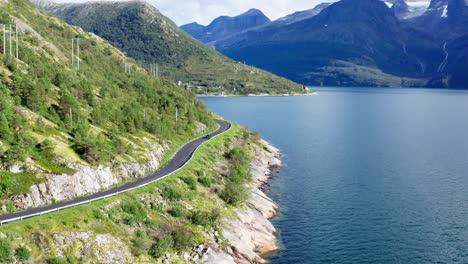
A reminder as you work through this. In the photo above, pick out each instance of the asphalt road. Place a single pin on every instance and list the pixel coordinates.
(179, 160)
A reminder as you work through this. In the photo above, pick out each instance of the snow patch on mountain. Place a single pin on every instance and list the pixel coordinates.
(444, 11)
(416, 8)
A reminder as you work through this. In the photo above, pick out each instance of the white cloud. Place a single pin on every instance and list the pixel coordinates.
(204, 11)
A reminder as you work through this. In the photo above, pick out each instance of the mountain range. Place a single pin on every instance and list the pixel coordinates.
(415, 43)
(143, 33)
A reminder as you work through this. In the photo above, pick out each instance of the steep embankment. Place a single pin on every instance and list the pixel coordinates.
(73, 126)
(210, 211)
(145, 34)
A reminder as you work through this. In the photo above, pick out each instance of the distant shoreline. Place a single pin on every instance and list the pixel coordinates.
(257, 95)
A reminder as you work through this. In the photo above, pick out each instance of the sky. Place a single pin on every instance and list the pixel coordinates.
(204, 11)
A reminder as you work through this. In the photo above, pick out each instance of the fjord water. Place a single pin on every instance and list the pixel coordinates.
(370, 175)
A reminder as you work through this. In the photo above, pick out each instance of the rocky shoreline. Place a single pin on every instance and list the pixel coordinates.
(245, 236)
(251, 235)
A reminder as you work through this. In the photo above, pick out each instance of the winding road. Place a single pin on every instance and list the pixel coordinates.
(180, 159)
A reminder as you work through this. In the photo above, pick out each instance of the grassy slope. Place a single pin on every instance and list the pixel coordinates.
(146, 35)
(108, 217)
(97, 115)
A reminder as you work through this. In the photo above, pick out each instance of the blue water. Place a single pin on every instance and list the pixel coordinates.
(370, 176)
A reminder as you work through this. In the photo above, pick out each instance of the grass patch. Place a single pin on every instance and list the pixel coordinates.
(16, 183)
(149, 233)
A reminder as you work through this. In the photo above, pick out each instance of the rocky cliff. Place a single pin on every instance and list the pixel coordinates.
(86, 180)
(250, 234)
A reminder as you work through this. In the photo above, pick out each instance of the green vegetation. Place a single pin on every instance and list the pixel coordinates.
(147, 36)
(205, 218)
(62, 260)
(235, 191)
(5, 250)
(23, 253)
(205, 181)
(190, 181)
(15, 183)
(161, 246)
(52, 114)
(134, 212)
(165, 217)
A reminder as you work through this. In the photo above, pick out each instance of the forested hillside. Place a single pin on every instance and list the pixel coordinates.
(53, 114)
(145, 34)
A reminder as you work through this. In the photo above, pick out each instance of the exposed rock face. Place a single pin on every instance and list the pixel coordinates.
(86, 180)
(251, 234)
(104, 247)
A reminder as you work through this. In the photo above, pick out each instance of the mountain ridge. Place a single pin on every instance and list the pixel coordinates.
(225, 26)
(145, 34)
(394, 40)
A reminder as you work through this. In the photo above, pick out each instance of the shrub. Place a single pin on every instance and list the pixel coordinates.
(205, 181)
(177, 211)
(190, 181)
(135, 213)
(15, 183)
(58, 260)
(114, 214)
(97, 213)
(5, 250)
(234, 193)
(205, 218)
(172, 192)
(161, 246)
(183, 238)
(256, 137)
(10, 206)
(141, 243)
(62, 260)
(23, 253)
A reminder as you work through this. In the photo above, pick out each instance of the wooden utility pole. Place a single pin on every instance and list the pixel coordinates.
(71, 117)
(17, 45)
(73, 52)
(11, 46)
(157, 71)
(77, 40)
(78, 52)
(4, 40)
(177, 119)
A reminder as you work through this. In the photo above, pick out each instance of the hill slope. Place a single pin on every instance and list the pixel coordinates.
(146, 35)
(55, 118)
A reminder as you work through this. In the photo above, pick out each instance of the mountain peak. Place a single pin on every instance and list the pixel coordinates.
(225, 26)
(253, 12)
